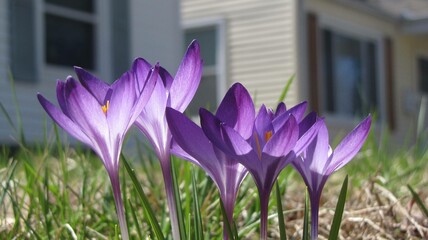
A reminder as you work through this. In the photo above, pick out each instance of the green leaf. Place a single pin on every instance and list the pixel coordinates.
(282, 233)
(196, 210)
(146, 205)
(286, 88)
(306, 217)
(337, 219)
(418, 201)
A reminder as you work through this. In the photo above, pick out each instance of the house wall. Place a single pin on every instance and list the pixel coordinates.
(260, 43)
(151, 38)
(406, 49)
(156, 33)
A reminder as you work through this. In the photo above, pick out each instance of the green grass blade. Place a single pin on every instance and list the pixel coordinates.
(146, 205)
(281, 222)
(180, 216)
(134, 216)
(11, 170)
(418, 201)
(306, 218)
(286, 88)
(337, 219)
(196, 210)
(46, 205)
(20, 215)
(8, 118)
(17, 109)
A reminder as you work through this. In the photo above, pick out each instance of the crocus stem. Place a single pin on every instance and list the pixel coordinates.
(264, 209)
(115, 183)
(229, 204)
(315, 200)
(169, 188)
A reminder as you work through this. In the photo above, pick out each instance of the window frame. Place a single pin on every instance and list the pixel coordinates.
(101, 25)
(359, 33)
(220, 68)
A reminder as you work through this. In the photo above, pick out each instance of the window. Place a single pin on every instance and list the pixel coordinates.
(423, 74)
(70, 33)
(206, 95)
(350, 74)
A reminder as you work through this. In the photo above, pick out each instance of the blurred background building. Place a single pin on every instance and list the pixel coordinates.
(349, 57)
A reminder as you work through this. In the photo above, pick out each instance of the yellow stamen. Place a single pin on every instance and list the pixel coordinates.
(259, 150)
(105, 107)
(268, 135)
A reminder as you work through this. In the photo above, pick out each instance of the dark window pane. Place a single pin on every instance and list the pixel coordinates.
(69, 42)
(347, 74)
(350, 74)
(205, 96)
(423, 75)
(83, 5)
(207, 40)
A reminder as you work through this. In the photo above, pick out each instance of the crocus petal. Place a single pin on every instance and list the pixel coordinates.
(187, 79)
(317, 151)
(308, 135)
(179, 151)
(237, 110)
(211, 126)
(186, 133)
(63, 121)
(142, 69)
(152, 120)
(85, 111)
(283, 141)
(96, 87)
(298, 111)
(60, 95)
(235, 141)
(122, 101)
(263, 124)
(307, 123)
(167, 79)
(145, 92)
(280, 109)
(350, 145)
(299, 164)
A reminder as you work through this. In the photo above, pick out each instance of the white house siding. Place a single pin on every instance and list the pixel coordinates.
(406, 49)
(260, 43)
(156, 34)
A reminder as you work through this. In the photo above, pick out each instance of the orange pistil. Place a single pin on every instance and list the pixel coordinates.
(259, 149)
(105, 107)
(268, 135)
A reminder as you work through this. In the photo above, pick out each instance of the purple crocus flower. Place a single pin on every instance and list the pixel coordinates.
(99, 115)
(318, 162)
(270, 142)
(171, 92)
(190, 143)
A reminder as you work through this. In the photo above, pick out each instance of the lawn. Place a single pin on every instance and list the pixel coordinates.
(55, 191)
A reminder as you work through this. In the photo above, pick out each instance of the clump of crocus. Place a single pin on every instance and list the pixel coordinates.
(99, 115)
(171, 92)
(190, 143)
(270, 142)
(318, 162)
